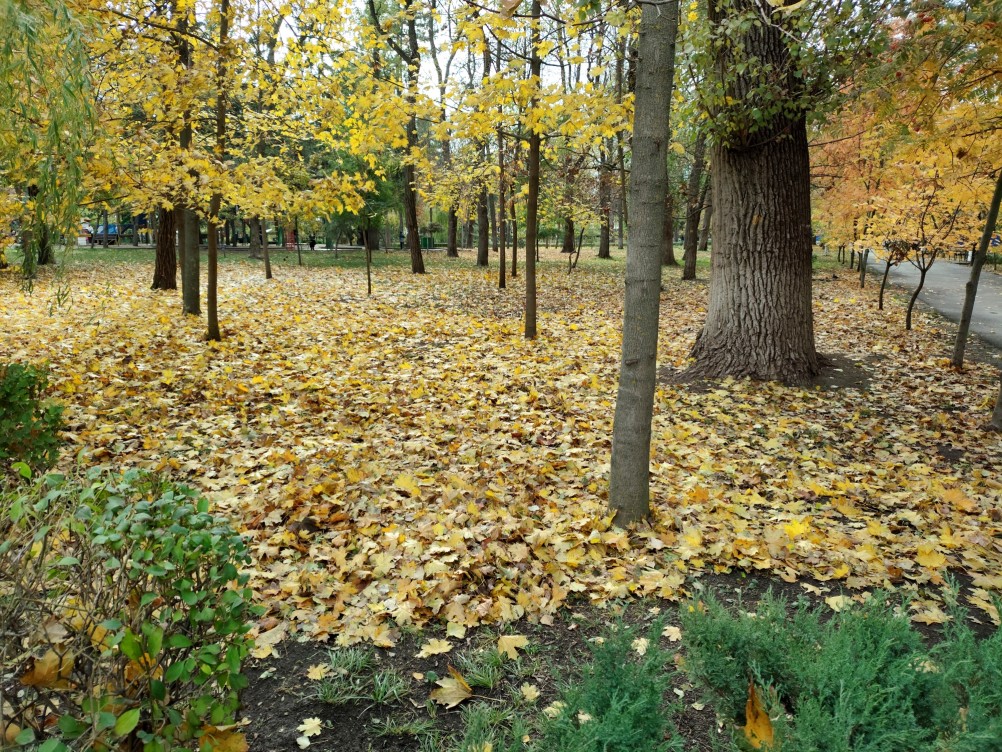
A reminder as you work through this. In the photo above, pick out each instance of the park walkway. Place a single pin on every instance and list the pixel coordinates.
(944, 292)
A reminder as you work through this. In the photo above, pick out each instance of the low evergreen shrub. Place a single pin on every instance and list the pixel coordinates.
(618, 704)
(123, 616)
(29, 425)
(860, 681)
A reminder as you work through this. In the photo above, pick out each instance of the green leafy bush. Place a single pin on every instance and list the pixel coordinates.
(618, 705)
(862, 681)
(28, 425)
(123, 613)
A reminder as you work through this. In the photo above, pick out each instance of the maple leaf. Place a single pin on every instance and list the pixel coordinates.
(929, 557)
(318, 672)
(530, 692)
(215, 739)
(509, 645)
(310, 727)
(758, 726)
(434, 647)
(452, 689)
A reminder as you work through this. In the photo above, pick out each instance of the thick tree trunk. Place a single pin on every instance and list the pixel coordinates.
(165, 266)
(410, 207)
(971, 288)
(46, 254)
(190, 271)
(759, 323)
(451, 242)
(568, 243)
(629, 480)
(483, 231)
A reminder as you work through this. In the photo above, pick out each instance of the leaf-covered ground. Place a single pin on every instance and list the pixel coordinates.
(410, 457)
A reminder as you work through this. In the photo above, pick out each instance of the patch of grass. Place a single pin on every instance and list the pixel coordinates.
(349, 679)
(387, 687)
(483, 668)
(350, 660)
(413, 726)
(490, 726)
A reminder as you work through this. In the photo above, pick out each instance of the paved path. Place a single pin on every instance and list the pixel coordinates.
(944, 292)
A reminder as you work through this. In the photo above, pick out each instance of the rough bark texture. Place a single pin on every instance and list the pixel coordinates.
(759, 323)
(165, 266)
(668, 232)
(629, 481)
(704, 231)
(264, 248)
(862, 268)
(605, 212)
(971, 288)
(451, 244)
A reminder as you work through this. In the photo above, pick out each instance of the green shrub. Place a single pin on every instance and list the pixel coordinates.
(862, 681)
(618, 704)
(28, 425)
(123, 613)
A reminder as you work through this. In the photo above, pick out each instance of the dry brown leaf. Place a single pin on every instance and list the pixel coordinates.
(452, 690)
(758, 726)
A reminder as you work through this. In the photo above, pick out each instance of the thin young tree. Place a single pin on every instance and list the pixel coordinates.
(629, 480)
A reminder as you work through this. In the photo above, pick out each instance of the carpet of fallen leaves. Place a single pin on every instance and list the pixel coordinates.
(410, 457)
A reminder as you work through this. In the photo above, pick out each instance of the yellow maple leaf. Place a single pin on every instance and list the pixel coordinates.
(530, 692)
(929, 557)
(318, 672)
(452, 690)
(434, 647)
(758, 725)
(509, 644)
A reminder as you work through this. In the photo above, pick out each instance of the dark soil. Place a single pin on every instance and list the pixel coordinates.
(281, 696)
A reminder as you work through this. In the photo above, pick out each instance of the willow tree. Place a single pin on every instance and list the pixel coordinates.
(768, 67)
(44, 117)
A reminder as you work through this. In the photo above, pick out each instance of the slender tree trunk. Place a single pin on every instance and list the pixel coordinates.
(883, 284)
(501, 223)
(704, 232)
(514, 239)
(971, 288)
(468, 234)
(215, 202)
(263, 224)
(532, 200)
(452, 248)
(492, 209)
(191, 296)
(254, 246)
(483, 231)
(629, 480)
(695, 198)
(911, 301)
(605, 212)
(165, 266)
(46, 255)
(105, 242)
(863, 258)
(668, 234)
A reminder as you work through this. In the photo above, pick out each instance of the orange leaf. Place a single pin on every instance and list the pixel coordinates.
(758, 726)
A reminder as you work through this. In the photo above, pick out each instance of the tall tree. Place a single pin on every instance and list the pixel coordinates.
(629, 480)
(768, 67)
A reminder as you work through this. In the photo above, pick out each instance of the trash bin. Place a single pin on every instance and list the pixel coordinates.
(426, 242)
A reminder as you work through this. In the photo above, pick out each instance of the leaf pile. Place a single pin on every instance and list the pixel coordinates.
(411, 457)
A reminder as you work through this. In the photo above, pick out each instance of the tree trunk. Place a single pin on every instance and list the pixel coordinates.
(629, 480)
(105, 242)
(263, 224)
(190, 271)
(451, 245)
(668, 234)
(863, 258)
(492, 209)
(514, 239)
(215, 202)
(483, 231)
(883, 284)
(695, 197)
(971, 287)
(501, 223)
(165, 266)
(46, 255)
(704, 232)
(911, 301)
(410, 208)
(532, 199)
(605, 212)
(568, 243)
(254, 244)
